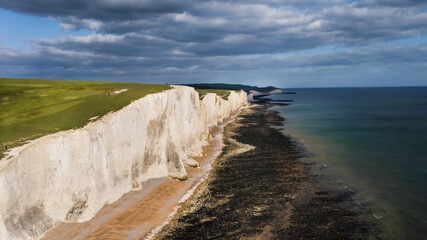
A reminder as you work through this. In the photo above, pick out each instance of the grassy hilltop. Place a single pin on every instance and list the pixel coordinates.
(32, 108)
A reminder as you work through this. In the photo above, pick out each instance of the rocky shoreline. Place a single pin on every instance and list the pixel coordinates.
(259, 189)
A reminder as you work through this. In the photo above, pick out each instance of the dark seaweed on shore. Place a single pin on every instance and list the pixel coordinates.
(264, 193)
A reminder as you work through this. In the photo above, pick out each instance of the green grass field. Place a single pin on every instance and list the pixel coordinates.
(31, 108)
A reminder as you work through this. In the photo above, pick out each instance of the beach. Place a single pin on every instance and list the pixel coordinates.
(139, 213)
(255, 188)
(213, 119)
(265, 192)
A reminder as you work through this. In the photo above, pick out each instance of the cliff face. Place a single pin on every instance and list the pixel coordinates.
(70, 175)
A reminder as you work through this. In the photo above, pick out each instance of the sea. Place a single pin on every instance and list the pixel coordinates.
(372, 141)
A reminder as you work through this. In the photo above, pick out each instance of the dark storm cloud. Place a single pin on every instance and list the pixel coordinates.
(96, 9)
(122, 10)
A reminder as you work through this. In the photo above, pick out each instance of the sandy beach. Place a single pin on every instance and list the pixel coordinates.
(138, 213)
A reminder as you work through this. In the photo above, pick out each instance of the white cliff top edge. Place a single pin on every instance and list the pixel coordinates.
(13, 152)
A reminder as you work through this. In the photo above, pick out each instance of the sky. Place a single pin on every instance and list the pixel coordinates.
(285, 43)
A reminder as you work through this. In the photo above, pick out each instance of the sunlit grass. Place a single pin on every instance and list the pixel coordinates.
(31, 108)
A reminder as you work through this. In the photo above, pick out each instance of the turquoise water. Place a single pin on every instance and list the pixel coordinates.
(372, 140)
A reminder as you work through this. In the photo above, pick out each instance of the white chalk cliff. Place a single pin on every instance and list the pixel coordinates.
(71, 175)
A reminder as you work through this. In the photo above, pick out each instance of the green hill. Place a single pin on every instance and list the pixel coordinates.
(31, 108)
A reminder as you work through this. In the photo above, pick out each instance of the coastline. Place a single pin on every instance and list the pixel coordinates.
(140, 214)
(153, 137)
(378, 159)
(233, 194)
(276, 198)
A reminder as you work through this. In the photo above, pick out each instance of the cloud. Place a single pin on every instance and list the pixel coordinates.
(74, 65)
(173, 38)
(209, 28)
(102, 10)
(392, 3)
(130, 44)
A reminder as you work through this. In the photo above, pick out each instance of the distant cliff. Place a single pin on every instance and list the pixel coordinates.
(254, 93)
(238, 87)
(71, 175)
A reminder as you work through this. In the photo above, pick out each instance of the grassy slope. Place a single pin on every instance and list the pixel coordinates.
(33, 108)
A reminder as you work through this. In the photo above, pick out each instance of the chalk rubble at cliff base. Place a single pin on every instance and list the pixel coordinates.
(71, 175)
